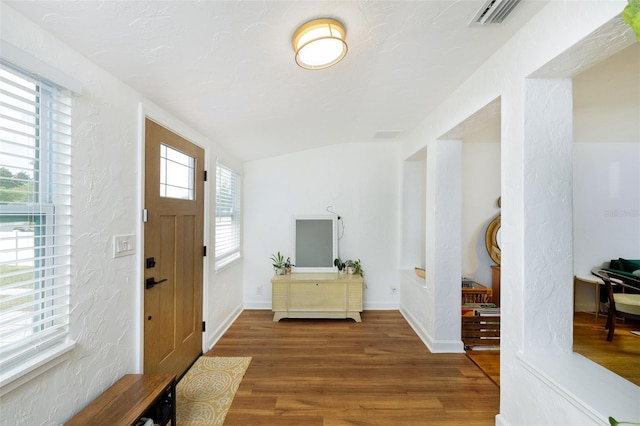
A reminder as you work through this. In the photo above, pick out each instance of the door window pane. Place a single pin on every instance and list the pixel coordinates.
(177, 172)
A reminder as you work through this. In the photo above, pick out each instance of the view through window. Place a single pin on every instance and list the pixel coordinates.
(35, 203)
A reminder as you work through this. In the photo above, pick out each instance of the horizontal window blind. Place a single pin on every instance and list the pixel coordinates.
(228, 218)
(35, 216)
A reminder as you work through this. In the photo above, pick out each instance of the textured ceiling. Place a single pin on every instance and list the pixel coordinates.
(227, 67)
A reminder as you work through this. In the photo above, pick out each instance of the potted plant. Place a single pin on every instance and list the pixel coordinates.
(278, 263)
(287, 266)
(354, 267)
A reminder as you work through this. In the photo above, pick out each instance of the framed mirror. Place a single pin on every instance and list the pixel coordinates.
(314, 243)
(492, 239)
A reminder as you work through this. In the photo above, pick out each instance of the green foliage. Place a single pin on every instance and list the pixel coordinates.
(278, 261)
(10, 275)
(16, 188)
(614, 422)
(356, 265)
(631, 15)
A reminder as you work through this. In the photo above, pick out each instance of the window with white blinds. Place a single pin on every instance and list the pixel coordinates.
(228, 217)
(35, 217)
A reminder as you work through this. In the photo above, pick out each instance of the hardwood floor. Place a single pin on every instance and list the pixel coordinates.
(622, 355)
(339, 372)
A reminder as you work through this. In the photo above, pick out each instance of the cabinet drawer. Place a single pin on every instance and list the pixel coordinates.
(318, 296)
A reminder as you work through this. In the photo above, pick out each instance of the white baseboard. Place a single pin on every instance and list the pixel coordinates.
(257, 305)
(372, 306)
(434, 346)
(501, 421)
(380, 306)
(213, 337)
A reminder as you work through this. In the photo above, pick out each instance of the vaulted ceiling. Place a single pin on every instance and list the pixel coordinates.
(227, 68)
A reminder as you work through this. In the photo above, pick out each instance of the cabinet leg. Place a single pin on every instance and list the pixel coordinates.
(355, 316)
(277, 316)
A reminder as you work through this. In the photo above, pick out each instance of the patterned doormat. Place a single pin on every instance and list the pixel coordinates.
(205, 393)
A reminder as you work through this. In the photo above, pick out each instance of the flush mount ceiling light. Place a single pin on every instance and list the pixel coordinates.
(319, 44)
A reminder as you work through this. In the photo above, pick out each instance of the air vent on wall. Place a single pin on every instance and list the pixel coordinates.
(494, 12)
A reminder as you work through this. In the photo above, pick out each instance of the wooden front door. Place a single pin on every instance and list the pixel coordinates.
(173, 251)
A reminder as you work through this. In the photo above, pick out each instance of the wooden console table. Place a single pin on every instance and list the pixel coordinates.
(495, 283)
(321, 295)
(131, 398)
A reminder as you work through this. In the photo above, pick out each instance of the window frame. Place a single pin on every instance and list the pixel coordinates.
(54, 210)
(227, 255)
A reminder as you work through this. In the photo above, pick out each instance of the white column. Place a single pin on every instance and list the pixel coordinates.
(443, 244)
(547, 221)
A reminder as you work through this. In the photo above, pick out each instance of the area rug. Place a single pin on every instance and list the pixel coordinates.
(205, 393)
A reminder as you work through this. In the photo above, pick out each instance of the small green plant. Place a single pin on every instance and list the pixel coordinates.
(631, 15)
(278, 261)
(614, 422)
(288, 265)
(356, 265)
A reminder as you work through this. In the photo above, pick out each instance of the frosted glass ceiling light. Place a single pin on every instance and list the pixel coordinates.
(319, 44)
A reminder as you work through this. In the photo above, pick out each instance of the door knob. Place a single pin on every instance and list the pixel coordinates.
(151, 282)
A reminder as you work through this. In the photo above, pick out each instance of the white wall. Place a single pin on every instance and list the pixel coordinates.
(480, 193)
(105, 292)
(542, 382)
(413, 214)
(361, 181)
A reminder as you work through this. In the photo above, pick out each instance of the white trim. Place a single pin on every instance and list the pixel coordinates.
(592, 389)
(381, 306)
(257, 305)
(335, 252)
(434, 346)
(15, 378)
(501, 421)
(25, 61)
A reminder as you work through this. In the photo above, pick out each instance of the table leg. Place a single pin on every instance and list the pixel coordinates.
(597, 300)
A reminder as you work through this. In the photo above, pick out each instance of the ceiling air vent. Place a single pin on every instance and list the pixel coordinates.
(494, 12)
(387, 134)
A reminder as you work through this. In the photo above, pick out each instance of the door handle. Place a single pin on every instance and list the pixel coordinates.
(151, 282)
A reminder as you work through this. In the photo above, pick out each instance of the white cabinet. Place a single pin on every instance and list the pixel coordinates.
(321, 295)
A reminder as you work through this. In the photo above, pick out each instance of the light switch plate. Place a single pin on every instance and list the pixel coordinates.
(123, 245)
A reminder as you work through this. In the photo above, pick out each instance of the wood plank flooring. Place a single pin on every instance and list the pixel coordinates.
(339, 372)
(622, 355)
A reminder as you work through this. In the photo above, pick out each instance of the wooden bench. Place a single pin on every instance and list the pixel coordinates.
(131, 398)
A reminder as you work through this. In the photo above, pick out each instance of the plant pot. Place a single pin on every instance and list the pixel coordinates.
(279, 271)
